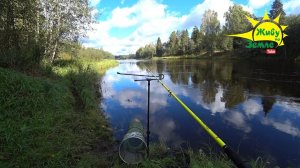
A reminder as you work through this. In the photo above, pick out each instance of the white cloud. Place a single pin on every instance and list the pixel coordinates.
(289, 106)
(94, 13)
(94, 2)
(147, 15)
(292, 7)
(149, 20)
(285, 126)
(123, 17)
(247, 8)
(218, 105)
(195, 16)
(256, 4)
(238, 120)
(166, 130)
(251, 107)
(131, 98)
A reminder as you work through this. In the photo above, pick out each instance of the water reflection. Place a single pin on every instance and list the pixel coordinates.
(255, 104)
(267, 103)
(285, 126)
(252, 107)
(238, 120)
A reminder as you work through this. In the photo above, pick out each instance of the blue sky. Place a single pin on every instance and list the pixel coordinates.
(125, 25)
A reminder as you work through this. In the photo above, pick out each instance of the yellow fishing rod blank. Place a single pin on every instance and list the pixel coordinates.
(230, 153)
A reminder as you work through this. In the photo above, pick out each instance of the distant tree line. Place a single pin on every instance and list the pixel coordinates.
(210, 37)
(94, 54)
(146, 52)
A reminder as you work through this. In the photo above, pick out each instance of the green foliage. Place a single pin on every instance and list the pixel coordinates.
(197, 37)
(292, 41)
(159, 48)
(181, 44)
(184, 43)
(211, 28)
(18, 41)
(202, 159)
(33, 30)
(225, 43)
(94, 54)
(35, 113)
(53, 121)
(236, 22)
(161, 157)
(277, 8)
(173, 43)
(146, 52)
(212, 38)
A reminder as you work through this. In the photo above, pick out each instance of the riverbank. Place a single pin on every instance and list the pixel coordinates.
(185, 157)
(229, 55)
(51, 118)
(203, 55)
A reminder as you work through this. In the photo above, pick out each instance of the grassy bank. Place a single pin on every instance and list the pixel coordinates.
(52, 119)
(161, 156)
(184, 157)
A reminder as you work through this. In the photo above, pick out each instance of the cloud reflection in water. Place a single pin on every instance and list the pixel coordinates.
(218, 104)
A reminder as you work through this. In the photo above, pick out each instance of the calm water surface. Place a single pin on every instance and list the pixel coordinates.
(253, 106)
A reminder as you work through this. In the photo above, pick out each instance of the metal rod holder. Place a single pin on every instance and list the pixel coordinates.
(149, 78)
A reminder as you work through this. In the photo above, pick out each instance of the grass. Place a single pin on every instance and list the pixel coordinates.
(161, 156)
(53, 120)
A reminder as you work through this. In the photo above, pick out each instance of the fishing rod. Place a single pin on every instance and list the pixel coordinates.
(234, 157)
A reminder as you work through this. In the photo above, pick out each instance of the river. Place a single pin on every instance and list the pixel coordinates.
(254, 106)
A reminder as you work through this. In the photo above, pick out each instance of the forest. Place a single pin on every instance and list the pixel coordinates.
(41, 31)
(210, 38)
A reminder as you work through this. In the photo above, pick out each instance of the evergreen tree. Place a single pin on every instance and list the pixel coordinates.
(184, 45)
(191, 47)
(197, 38)
(194, 38)
(159, 47)
(195, 34)
(178, 49)
(172, 43)
(277, 8)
